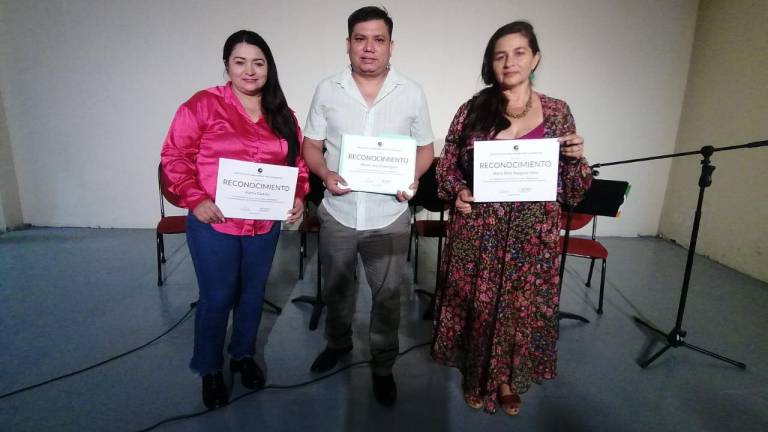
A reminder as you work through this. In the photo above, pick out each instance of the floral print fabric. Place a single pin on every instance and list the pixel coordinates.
(498, 297)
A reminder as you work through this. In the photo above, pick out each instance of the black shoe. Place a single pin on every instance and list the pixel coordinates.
(384, 389)
(214, 391)
(250, 373)
(328, 359)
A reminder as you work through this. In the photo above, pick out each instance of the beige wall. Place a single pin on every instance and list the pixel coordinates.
(10, 206)
(90, 87)
(726, 103)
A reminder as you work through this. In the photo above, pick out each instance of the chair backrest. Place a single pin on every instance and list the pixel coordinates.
(162, 185)
(316, 189)
(426, 195)
(578, 220)
(603, 198)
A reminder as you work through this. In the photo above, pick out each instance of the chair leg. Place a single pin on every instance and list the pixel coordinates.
(319, 286)
(162, 249)
(589, 278)
(602, 287)
(429, 314)
(302, 253)
(410, 240)
(278, 310)
(416, 262)
(317, 310)
(158, 241)
(317, 300)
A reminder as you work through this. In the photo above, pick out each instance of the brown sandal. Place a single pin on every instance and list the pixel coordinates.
(473, 402)
(510, 403)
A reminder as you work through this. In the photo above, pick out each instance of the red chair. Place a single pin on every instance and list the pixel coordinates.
(167, 224)
(311, 224)
(426, 198)
(586, 248)
(604, 198)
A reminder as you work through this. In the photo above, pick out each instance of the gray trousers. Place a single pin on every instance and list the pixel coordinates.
(383, 253)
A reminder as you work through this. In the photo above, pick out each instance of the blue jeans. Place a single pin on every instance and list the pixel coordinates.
(232, 274)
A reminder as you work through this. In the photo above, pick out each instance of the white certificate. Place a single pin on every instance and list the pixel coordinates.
(384, 164)
(249, 190)
(516, 170)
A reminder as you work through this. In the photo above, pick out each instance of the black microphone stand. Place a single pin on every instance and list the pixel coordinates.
(676, 337)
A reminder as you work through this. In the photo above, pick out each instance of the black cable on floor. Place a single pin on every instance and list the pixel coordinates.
(275, 387)
(34, 386)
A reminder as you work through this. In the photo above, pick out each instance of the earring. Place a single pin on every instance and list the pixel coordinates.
(532, 76)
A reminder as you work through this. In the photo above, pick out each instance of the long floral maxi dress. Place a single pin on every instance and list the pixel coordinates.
(498, 297)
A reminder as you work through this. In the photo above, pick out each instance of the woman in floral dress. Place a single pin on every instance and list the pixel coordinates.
(496, 309)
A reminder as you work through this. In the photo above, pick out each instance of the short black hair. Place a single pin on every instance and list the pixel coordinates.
(368, 13)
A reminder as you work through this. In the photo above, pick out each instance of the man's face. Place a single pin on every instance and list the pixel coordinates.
(369, 48)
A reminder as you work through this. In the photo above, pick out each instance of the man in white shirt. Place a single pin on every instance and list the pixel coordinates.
(367, 98)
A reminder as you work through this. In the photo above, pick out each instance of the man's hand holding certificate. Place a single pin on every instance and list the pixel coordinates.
(248, 190)
(378, 164)
(516, 170)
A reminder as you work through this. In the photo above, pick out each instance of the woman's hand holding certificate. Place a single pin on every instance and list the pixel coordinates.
(516, 170)
(249, 190)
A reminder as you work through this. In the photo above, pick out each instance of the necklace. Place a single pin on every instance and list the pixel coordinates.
(525, 111)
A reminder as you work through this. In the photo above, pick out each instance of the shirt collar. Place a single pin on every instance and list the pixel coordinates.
(229, 94)
(231, 98)
(344, 80)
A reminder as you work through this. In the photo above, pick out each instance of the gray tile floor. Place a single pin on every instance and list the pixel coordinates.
(73, 297)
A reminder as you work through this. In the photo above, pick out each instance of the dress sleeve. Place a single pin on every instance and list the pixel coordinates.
(450, 180)
(178, 158)
(575, 174)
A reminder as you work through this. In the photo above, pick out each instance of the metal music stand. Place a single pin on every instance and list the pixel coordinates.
(676, 337)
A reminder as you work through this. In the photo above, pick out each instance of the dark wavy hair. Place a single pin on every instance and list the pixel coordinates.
(279, 117)
(487, 107)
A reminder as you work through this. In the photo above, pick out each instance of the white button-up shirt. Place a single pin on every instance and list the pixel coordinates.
(339, 108)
